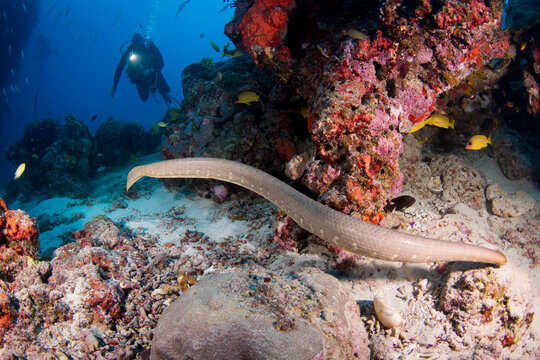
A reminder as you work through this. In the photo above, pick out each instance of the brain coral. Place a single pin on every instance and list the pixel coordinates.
(261, 315)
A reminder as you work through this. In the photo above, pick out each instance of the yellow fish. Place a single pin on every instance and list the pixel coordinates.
(233, 53)
(219, 76)
(174, 114)
(478, 142)
(304, 112)
(358, 35)
(214, 46)
(246, 97)
(418, 126)
(19, 171)
(440, 121)
(422, 140)
(162, 124)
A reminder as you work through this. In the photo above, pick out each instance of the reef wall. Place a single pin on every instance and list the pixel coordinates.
(368, 72)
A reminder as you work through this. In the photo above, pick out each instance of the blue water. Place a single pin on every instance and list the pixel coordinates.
(77, 74)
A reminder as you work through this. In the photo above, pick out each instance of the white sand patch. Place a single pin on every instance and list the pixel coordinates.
(151, 213)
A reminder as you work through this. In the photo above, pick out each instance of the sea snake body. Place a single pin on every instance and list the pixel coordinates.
(341, 230)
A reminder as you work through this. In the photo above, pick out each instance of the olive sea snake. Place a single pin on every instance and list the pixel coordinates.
(341, 230)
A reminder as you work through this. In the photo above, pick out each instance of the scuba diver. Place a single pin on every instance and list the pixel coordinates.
(144, 64)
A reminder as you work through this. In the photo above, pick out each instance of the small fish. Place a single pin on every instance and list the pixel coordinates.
(174, 114)
(71, 22)
(523, 46)
(19, 171)
(51, 9)
(9, 50)
(75, 36)
(223, 8)
(202, 35)
(214, 46)
(58, 15)
(441, 121)
(134, 157)
(35, 156)
(219, 76)
(4, 92)
(16, 89)
(233, 53)
(67, 10)
(26, 81)
(478, 142)
(100, 169)
(304, 112)
(4, 15)
(109, 118)
(93, 118)
(100, 154)
(22, 54)
(12, 72)
(418, 126)
(422, 140)
(247, 97)
(400, 203)
(162, 124)
(116, 19)
(509, 104)
(181, 7)
(358, 35)
(24, 8)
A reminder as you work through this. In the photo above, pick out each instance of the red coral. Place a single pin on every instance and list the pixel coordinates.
(18, 231)
(474, 15)
(7, 313)
(265, 25)
(285, 149)
(104, 300)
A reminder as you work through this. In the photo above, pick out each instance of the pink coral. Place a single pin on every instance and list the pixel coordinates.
(220, 191)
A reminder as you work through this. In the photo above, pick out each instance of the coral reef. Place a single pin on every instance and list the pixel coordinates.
(259, 134)
(118, 141)
(363, 90)
(59, 158)
(492, 307)
(19, 243)
(89, 299)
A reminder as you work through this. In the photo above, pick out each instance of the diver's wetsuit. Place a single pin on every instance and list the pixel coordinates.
(144, 64)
